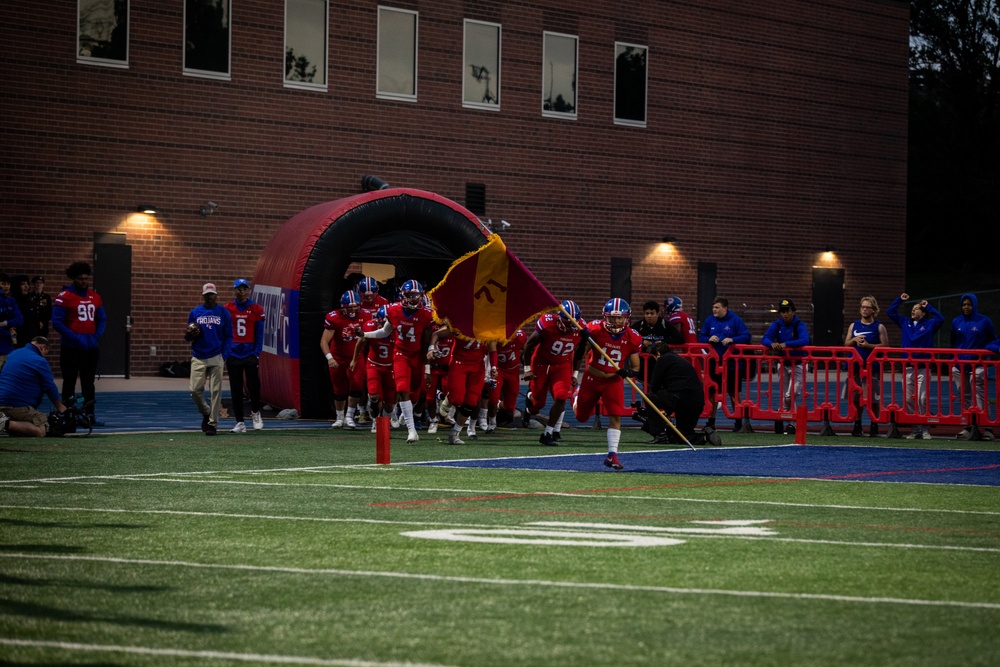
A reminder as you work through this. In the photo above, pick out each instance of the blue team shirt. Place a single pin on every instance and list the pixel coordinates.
(26, 378)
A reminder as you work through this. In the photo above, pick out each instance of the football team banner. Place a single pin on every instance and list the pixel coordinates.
(488, 294)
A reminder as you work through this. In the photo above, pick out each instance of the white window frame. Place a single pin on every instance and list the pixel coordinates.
(202, 73)
(307, 85)
(465, 43)
(390, 95)
(104, 62)
(645, 112)
(565, 115)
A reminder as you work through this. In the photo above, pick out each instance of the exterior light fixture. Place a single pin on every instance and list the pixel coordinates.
(669, 239)
(148, 209)
(208, 208)
(829, 248)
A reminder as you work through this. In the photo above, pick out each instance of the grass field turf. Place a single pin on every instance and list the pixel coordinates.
(292, 547)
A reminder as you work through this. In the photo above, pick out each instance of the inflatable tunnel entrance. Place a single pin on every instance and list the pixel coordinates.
(300, 276)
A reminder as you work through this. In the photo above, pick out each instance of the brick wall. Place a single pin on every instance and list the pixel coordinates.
(774, 129)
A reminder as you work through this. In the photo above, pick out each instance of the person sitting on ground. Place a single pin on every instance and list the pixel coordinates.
(25, 379)
(675, 388)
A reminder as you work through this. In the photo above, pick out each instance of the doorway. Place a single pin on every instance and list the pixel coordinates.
(828, 306)
(113, 281)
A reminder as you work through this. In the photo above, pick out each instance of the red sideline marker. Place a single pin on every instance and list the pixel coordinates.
(801, 422)
(382, 440)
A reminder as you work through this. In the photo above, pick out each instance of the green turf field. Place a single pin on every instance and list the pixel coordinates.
(293, 547)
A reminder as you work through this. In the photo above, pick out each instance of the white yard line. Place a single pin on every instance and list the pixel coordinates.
(266, 517)
(205, 655)
(534, 583)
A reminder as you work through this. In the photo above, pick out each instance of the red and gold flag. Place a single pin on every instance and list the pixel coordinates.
(488, 294)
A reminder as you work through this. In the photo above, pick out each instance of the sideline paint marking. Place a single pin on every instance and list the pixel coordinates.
(517, 582)
(207, 655)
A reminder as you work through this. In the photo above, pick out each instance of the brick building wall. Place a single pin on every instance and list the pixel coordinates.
(773, 130)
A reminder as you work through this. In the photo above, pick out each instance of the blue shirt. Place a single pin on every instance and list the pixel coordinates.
(917, 333)
(216, 332)
(793, 334)
(973, 332)
(11, 314)
(26, 378)
(728, 326)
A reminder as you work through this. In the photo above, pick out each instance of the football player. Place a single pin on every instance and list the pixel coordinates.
(378, 370)
(341, 330)
(603, 378)
(244, 357)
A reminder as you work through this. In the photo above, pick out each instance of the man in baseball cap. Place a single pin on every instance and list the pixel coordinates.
(210, 331)
(208, 288)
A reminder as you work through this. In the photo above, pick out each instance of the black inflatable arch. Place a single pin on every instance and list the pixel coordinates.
(419, 233)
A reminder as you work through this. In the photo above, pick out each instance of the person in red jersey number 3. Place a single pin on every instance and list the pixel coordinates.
(378, 369)
(244, 357)
(412, 324)
(602, 381)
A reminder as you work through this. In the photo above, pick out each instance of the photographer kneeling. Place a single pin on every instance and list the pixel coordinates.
(676, 389)
(24, 380)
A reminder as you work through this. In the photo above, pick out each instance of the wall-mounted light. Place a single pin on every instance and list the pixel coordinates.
(208, 208)
(148, 209)
(829, 249)
(496, 227)
(669, 239)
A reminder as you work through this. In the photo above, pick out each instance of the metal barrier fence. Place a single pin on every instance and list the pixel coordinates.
(894, 386)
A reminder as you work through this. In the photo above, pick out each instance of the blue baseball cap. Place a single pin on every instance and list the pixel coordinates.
(241, 282)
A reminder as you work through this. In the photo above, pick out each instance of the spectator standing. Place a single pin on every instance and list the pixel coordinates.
(721, 329)
(602, 381)
(21, 291)
(675, 388)
(210, 331)
(918, 330)
(24, 380)
(655, 329)
(10, 319)
(244, 356)
(40, 309)
(866, 334)
(78, 315)
(971, 331)
(788, 331)
(673, 307)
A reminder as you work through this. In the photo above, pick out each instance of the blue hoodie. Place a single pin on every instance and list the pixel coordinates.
(11, 314)
(917, 333)
(729, 326)
(973, 332)
(216, 332)
(793, 334)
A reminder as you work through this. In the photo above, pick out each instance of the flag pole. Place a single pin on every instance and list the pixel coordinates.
(611, 361)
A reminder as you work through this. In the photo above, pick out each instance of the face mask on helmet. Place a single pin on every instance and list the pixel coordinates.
(350, 303)
(412, 294)
(616, 315)
(368, 288)
(380, 315)
(574, 311)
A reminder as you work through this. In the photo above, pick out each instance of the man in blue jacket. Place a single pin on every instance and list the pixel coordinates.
(722, 329)
(210, 331)
(788, 332)
(971, 331)
(918, 330)
(24, 380)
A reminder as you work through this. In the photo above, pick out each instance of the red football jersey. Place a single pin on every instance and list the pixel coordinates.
(685, 324)
(80, 310)
(468, 352)
(555, 346)
(244, 321)
(509, 354)
(379, 349)
(369, 309)
(345, 334)
(619, 347)
(409, 326)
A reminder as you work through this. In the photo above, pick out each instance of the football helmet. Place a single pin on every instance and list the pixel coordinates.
(350, 302)
(574, 311)
(380, 315)
(672, 304)
(368, 288)
(616, 315)
(412, 294)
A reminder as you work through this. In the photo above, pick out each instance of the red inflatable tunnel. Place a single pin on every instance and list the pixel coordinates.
(301, 275)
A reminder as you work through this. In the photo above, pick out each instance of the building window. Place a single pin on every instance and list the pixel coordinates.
(631, 84)
(397, 54)
(481, 77)
(559, 68)
(306, 37)
(207, 40)
(102, 32)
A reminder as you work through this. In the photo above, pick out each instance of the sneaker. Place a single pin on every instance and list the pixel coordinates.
(491, 428)
(394, 421)
(913, 436)
(926, 435)
(482, 424)
(432, 427)
(737, 426)
(350, 423)
(374, 426)
(873, 430)
(987, 434)
(471, 435)
(4, 420)
(210, 430)
(535, 424)
(453, 438)
(417, 424)
(411, 436)
(240, 428)
(547, 440)
(557, 436)
(258, 422)
(790, 429)
(858, 431)
(612, 462)
(204, 423)
(337, 424)
(964, 434)
(525, 420)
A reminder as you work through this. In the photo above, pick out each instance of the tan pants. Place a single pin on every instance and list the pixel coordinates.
(211, 370)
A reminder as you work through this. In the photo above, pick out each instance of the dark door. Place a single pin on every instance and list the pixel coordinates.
(707, 275)
(828, 306)
(621, 280)
(113, 281)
